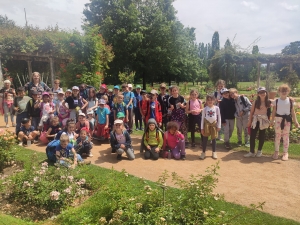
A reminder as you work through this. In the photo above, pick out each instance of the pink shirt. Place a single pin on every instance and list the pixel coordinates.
(195, 105)
(172, 140)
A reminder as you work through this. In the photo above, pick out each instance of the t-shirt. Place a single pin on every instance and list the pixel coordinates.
(127, 96)
(137, 99)
(195, 105)
(163, 100)
(121, 139)
(174, 101)
(152, 110)
(47, 108)
(8, 94)
(63, 152)
(27, 131)
(54, 130)
(71, 137)
(92, 103)
(120, 108)
(21, 102)
(211, 115)
(283, 107)
(101, 113)
(73, 102)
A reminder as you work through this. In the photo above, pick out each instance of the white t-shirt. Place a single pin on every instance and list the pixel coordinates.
(46, 109)
(283, 107)
(211, 115)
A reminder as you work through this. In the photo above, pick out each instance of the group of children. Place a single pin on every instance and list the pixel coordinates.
(108, 114)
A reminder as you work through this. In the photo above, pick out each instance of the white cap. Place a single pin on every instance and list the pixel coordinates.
(223, 90)
(81, 114)
(154, 92)
(69, 90)
(118, 121)
(130, 85)
(102, 102)
(60, 92)
(90, 112)
(75, 88)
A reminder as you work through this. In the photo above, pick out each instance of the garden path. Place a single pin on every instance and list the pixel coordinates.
(242, 181)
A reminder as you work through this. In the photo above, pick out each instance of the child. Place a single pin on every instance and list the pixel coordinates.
(47, 109)
(8, 95)
(193, 109)
(27, 132)
(102, 91)
(102, 120)
(105, 98)
(210, 125)
(34, 113)
(154, 109)
(92, 100)
(284, 114)
(242, 112)
(174, 144)
(144, 106)
(128, 100)
(218, 97)
(120, 106)
(136, 108)
(70, 131)
(258, 120)
(227, 109)
(83, 145)
(153, 140)
(20, 103)
(68, 93)
(53, 129)
(75, 102)
(177, 108)
(91, 119)
(163, 100)
(120, 141)
(65, 153)
(63, 113)
(82, 122)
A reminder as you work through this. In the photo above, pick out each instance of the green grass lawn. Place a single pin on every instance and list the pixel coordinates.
(99, 204)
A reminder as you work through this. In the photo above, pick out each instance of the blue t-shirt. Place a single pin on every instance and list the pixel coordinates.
(127, 96)
(27, 131)
(64, 152)
(120, 108)
(137, 99)
(101, 113)
(152, 110)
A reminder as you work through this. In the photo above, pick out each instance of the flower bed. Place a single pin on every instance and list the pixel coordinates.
(7, 140)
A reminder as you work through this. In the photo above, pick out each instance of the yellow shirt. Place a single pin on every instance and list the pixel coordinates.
(151, 139)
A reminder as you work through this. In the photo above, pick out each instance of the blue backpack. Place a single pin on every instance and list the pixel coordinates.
(50, 150)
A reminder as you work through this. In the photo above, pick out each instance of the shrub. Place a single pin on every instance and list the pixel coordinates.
(7, 140)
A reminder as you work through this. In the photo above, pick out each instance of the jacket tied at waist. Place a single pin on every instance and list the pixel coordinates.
(286, 118)
(263, 120)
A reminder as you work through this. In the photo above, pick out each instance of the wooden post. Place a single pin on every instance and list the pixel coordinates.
(258, 74)
(52, 71)
(1, 75)
(29, 70)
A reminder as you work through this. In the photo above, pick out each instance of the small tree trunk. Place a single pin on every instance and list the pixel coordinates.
(144, 81)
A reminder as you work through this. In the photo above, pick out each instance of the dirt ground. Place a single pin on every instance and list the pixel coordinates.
(242, 180)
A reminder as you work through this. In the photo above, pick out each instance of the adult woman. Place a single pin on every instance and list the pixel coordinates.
(56, 89)
(36, 85)
(8, 95)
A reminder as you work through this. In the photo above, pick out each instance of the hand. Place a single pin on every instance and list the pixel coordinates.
(272, 123)
(297, 125)
(159, 124)
(16, 108)
(122, 146)
(177, 132)
(148, 147)
(241, 114)
(105, 127)
(171, 107)
(202, 131)
(249, 124)
(157, 149)
(80, 143)
(218, 129)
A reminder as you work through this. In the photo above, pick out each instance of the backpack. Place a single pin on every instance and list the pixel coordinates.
(157, 135)
(124, 107)
(291, 107)
(243, 100)
(50, 150)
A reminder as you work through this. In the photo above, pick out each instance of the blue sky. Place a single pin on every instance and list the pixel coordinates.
(274, 23)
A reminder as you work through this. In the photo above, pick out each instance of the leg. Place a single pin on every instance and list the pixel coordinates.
(285, 136)
(147, 154)
(12, 116)
(253, 137)
(214, 143)
(261, 139)
(226, 131)
(20, 136)
(6, 112)
(130, 154)
(245, 128)
(136, 118)
(204, 143)
(192, 128)
(130, 118)
(231, 127)
(155, 155)
(176, 152)
(278, 132)
(239, 128)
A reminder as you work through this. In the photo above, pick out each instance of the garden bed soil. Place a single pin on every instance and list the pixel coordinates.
(242, 180)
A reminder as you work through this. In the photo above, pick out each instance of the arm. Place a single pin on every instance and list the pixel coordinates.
(94, 107)
(107, 121)
(146, 142)
(161, 140)
(75, 157)
(131, 99)
(128, 140)
(294, 117)
(159, 116)
(85, 103)
(222, 112)
(48, 133)
(251, 115)
(165, 141)
(273, 116)
(249, 105)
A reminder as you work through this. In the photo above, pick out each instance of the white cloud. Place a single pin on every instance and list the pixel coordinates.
(250, 5)
(289, 7)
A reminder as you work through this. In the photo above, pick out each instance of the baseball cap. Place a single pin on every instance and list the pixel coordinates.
(90, 112)
(120, 115)
(154, 92)
(223, 90)
(163, 85)
(75, 88)
(138, 86)
(60, 92)
(69, 90)
(118, 121)
(117, 87)
(103, 86)
(25, 120)
(130, 85)
(35, 93)
(261, 89)
(109, 90)
(81, 114)
(143, 92)
(45, 93)
(102, 102)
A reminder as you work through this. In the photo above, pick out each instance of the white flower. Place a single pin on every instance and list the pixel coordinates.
(162, 219)
(54, 195)
(26, 184)
(44, 164)
(71, 178)
(62, 177)
(102, 220)
(36, 179)
(68, 190)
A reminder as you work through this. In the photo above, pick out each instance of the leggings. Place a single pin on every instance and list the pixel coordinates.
(138, 118)
(193, 120)
(261, 138)
(284, 134)
(204, 144)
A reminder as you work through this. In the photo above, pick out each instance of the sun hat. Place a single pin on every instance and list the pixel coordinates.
(7, 82)
(154, 92)
(129, 85)
(69, 90)
(223, 90)
(120, 115)
(102, 102)
(118, 122)
(261, 89)
(75, 88)
(81, 114)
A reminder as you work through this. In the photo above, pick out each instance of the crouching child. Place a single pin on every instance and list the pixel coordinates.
(66, 154)
(120, 141)
(27, 133)
(83, 144)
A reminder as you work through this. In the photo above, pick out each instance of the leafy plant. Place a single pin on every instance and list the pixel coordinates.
(7, 140)
(127, 78)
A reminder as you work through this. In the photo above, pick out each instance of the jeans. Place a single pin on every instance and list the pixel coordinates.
(19, 120)
(35, 122)
(129, 152)
(261, 138)
(7, 111)
(241, 125)
(228, 129)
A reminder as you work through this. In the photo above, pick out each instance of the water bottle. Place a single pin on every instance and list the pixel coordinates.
(28, 143)
(169, 154)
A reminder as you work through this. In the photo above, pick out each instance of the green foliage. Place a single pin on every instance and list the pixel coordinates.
(126, 78)
(7, 140)
(292, 79)
(271, 80)
(49, 188)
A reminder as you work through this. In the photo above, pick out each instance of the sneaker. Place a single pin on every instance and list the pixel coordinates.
(20, 143)
(275, 155)
(13, 124)
(182, 157)
(249, 154)
(220, 139)
(119, 157)
(239, 144)
(85, 162)
(258, 154)
(285, 156)
(91, 155)
(7, 126)
(227, 145)
(214, 155)
(193, 145)
(35, 141)
(247, 145)
(203, 155)
(141, 128)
